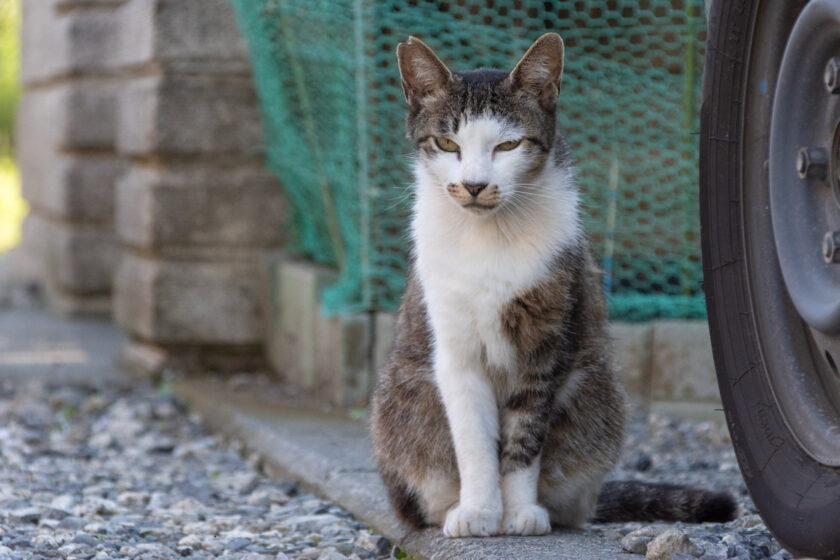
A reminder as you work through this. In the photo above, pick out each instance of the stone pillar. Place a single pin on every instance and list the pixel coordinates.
(142, 159)
(66, 149)
(196, 208)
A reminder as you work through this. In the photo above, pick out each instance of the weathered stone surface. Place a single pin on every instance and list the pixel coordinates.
(189, 115)
(385, 330)
(79, 115)
(151, 360)
(71, 4)
(682, 367)
(79, 260)
(194, 35)
(143, 360)
(632, 347)
(59, 42)
(294, 314)
(343, 368)
(68, 305)
(33, 244)
(82, 259)
(183, 35)
(189, 302)
(79, 188)
(200, 205)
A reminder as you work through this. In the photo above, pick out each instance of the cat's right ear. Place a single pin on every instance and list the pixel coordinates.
(423, 74)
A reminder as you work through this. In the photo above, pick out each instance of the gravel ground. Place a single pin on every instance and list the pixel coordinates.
(661, 449)
(111, 472)
(103, 472)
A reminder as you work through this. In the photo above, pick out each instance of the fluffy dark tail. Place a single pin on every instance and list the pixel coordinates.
(631, 500)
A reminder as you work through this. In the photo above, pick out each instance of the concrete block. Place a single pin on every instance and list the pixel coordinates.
(78, 260)
(33, 245)
(151, 361)
(294, 314)
(172, 302)
(200, 205)
(61, 5)
(82, 260)
(682, 367)
(78, 188)
(200, 36)
(189, 116)
(385, 331)
(632, 346)
(59, 42)
(343, 366)
(71, 306)
(79, 115)
(146, 361)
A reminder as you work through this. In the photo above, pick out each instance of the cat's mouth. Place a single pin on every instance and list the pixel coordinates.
(479, 208)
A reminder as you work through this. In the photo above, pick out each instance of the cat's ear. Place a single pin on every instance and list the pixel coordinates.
(540, 70)
(423, 74)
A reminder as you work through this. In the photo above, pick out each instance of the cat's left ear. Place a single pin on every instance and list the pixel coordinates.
(540, 70)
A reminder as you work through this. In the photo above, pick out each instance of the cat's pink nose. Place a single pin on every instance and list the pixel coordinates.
(475, 188)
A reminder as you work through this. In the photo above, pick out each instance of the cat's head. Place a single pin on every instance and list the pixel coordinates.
(483, 136)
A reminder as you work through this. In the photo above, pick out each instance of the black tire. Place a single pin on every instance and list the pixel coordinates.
(797, 496)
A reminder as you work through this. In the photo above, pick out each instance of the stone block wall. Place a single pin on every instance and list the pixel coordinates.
(67, 152)
(141, 154)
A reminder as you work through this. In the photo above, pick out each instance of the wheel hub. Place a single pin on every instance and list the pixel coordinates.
(805, 165)
(804, 194)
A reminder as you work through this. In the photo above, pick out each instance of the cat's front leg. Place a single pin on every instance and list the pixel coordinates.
(524, 429)
(474, 422)
(523, 515)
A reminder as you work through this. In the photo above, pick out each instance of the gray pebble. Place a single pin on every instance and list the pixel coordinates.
(25, 515)
(84, 538)
(237, 544)
(72, 523)
(669, 543)
(331, 554)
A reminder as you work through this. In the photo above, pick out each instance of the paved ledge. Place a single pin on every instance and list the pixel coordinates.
(331, 456)
(35, 344)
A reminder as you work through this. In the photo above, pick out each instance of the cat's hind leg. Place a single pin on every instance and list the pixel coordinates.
(570, 501)
(438, 494)
(412, 444)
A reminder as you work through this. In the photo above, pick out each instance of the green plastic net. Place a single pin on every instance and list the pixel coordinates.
(333, 113)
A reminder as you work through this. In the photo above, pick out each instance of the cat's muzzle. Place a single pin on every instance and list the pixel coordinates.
(478, 198)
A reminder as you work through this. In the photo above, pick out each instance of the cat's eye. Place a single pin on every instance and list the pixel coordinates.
(508, 146)
(446, 144)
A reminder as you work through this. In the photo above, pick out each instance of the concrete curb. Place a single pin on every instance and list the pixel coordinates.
(330, 456)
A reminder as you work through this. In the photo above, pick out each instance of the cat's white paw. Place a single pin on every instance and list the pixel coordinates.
(472, 522)
(528, 519)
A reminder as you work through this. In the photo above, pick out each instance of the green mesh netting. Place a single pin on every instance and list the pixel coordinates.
(333, 115)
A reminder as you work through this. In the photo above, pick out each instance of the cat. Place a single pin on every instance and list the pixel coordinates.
(499, 410)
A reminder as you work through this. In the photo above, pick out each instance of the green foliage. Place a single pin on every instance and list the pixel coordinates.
(12, 205)
(9, 65)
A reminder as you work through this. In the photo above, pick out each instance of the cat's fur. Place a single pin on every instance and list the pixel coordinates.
(499, 409)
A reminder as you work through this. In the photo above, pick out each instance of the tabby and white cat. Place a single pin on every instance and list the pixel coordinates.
(499, 410)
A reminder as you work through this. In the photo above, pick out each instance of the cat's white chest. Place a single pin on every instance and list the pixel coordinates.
(467, 285)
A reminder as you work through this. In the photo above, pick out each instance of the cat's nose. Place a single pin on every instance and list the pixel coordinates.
(475, 188)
